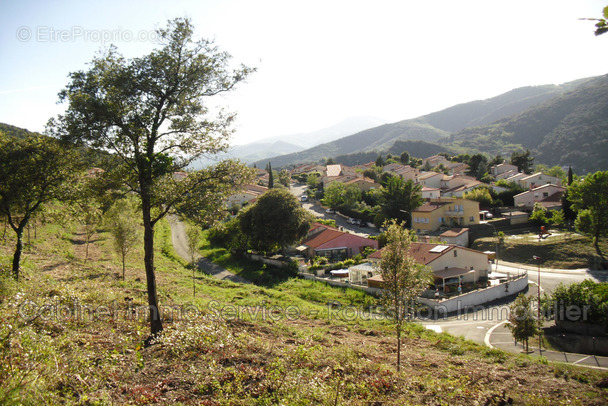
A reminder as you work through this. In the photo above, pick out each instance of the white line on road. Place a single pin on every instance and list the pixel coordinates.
(486, 339)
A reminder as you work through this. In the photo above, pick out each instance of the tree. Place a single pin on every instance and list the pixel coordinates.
(478, 165)
(84, 208)
(539, 215)
(33, 171)
(521, 319)
(193, 237)
(275, 221)
(523, 160)
(333, 196)
(270, 176)
(404, 158)
(380, 161)
(403, 279)
(589, 198)
(152, 113)
(284, 177)
(569, 214)
(123, 226)
(312, 180)
(399, 198)
(481, 195)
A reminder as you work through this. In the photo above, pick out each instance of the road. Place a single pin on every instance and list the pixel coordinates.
(179, 240)
(341, 221)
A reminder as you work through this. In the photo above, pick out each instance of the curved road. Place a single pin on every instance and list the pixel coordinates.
(179, 240)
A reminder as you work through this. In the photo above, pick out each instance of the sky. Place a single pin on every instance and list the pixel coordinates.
(318, 62)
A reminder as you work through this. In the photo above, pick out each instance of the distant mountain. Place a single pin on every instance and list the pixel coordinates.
(430, 128)
(571, 129)
(261, 150)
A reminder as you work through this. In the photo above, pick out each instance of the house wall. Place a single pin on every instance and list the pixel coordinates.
(432, 181)
(537, 180)
(463, 258)
(461, 240)
(527, 199)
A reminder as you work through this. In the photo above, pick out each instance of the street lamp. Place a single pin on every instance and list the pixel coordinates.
(496, 245)
(537, 258)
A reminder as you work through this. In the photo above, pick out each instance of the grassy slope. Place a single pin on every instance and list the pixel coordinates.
(564, 251)
(58, 358)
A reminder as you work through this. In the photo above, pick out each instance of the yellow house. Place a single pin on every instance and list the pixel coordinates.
(445, 212)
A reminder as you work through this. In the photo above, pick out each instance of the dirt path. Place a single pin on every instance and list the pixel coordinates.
(179, 240)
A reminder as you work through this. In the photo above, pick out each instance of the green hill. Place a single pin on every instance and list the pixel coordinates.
(571, 129)
(432, 128)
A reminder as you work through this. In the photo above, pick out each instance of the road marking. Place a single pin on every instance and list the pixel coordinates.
(582, 359)
(486, 339)
(435, 328)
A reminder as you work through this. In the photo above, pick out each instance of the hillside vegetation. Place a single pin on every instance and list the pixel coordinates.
(71, 333)
(561, 124)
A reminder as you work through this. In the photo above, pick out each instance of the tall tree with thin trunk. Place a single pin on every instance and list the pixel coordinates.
(193, 236)
(403, 279)
(33, 171)
(125, 230)
(152, 112)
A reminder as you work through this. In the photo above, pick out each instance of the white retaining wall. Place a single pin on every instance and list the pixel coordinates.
(475, 298)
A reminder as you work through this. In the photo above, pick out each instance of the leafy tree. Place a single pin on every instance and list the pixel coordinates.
(380, 162)
(399, 198)
(284, 177)
(481, 195)
(478, 165)
(523, 160)
(33, 171)
(123, 226)
(334, 195)
(85, 208)
(312, 180)
(352, 196)
(557, 218)
(405, 158)
(590, 198)
(403, 279)
(373, 173)
(522, 323)
(275, 221)
(539, 215)
(151, 112)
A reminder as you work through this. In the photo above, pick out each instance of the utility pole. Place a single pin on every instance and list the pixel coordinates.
(537, 258)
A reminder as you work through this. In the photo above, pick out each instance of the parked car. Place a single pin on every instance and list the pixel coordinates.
(304, 198)
(330, 211)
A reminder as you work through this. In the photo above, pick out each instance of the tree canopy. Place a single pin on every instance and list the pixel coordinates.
(399, 198)
(151, 111)
(275, 221)
(33, 171)
(589, 198)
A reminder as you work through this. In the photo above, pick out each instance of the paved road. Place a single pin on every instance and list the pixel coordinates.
(341, 220)
(179, 239)
(488, 324)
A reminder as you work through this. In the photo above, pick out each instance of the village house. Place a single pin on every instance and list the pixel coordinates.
(457, 168)
(452, 266)
(338, 173)
(538, 179)
(364, 184)
(326, 241)
(430, 192)
(435, 160)
(430, 179)
(445, 212)
(497, 170)
(549, 194)
(247, 195)
(456, 236)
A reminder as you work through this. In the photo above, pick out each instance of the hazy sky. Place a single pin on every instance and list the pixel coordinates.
(318, 62)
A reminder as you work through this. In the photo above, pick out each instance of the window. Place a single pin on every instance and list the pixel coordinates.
(455, 253)
(545, 194)
(471, 218)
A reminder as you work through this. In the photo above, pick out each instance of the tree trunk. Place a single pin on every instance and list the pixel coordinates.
(17, 255)
(156, 325)
(398, 348)
(123, 266)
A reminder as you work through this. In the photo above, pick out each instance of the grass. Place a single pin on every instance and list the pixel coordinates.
(225, 353)
(564, 251)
